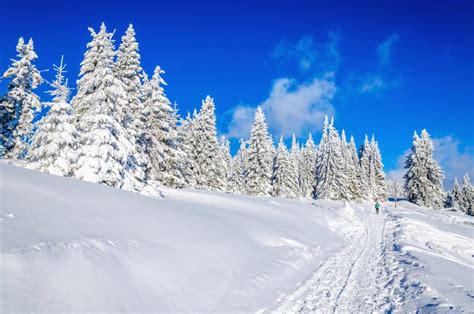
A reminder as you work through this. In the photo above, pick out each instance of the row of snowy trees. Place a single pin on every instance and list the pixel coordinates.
(121, 130)
(424, 179)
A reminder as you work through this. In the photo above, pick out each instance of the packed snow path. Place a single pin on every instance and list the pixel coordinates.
(362, 278)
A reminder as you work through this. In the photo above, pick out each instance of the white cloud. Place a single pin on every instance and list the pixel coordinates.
(384, 50)
(398, 173)
(454, 160)
(241, 122)
(290, 108)
(297, 108)
(381, 78)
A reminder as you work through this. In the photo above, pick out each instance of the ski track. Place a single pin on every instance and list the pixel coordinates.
(363, 277)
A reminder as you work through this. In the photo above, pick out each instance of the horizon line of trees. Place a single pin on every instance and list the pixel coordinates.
(121, 130)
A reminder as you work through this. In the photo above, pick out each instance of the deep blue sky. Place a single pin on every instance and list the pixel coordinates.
(397, 65)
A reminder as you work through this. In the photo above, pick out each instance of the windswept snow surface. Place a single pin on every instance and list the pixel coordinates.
(68, 245)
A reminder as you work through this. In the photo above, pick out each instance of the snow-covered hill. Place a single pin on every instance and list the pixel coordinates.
(68, 245)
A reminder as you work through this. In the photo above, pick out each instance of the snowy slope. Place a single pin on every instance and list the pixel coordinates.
(68, 245)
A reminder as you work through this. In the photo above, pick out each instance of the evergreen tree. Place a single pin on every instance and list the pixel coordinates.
(294, 158)
(354, 177)
(283, 179)
(423, 179)
(208, 171)
(104, 147)
(260, 155)
(239, 164)
(186, 144)
(226, 161)
(161, 135)
(379, 188)
(467, 196)
(330, 181)
(19, 104)
(453, 198)
(133, 116)
(365, 171)
(53, 145)
(307, 167)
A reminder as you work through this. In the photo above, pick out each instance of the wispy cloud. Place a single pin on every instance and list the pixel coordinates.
(453, 159)
(384, 50)
(310, 55)
(382, 77)
(296, 105)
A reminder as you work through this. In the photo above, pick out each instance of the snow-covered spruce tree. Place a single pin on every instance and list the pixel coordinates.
(186, 144)
(295, 157)
(423, 179)
(18, 105)
(161, 136)
(379, 188)
(307, 167)
(52, 147)
(104, 145)
(330, 180)
(208, 171)
(345, 158)
(225, 160)
(467, 196)
(260, 157)
(454, 196)
(239, 164)
(133, 116)
(283, 179)
(365, 173)
(354, 177)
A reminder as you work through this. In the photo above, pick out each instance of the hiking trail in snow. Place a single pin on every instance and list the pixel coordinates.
(364, 277)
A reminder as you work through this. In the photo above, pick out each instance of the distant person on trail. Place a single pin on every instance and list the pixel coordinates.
(377, 207)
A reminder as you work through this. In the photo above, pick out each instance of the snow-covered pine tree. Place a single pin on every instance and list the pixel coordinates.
(307, 167)
(133, 116)
(260, 156)
(208, 171)
(18, 105)
(294, 157)
(239, 164)
(283, 180)
(467, 196)
(345, 166)
(330, 180)
(186, 144)
(226, 161)
(52, 147)
(365, 173)
(354, 177)
(161, 136)
(379, 188)
(423, 179)
(454, 196)
(104, 147)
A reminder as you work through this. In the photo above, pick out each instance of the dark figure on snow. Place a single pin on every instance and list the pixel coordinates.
(377, 207)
